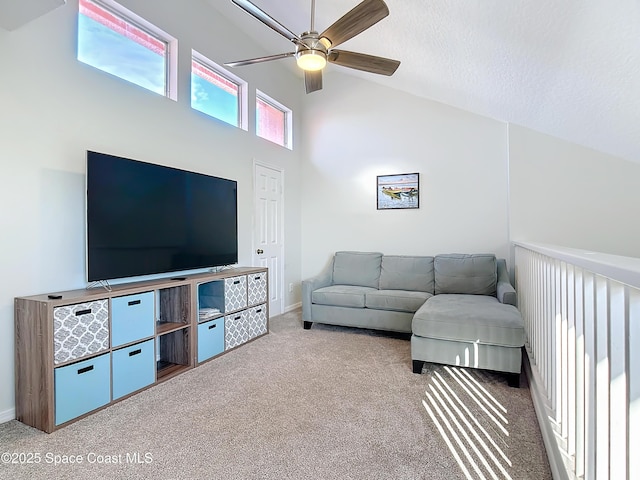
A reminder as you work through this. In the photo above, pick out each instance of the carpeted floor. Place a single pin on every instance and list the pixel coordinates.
(325, 403)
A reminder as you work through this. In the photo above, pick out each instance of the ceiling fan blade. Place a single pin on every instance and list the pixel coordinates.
(251, 61)
(361, 17)
(313, 81)
(270, 22)
(367, 63)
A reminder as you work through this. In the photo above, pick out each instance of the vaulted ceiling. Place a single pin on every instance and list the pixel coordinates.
(568, 68)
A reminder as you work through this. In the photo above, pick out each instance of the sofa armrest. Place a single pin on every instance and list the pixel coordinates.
(323, 279)
(504, 290)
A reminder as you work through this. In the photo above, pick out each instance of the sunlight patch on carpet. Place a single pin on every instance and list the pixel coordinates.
(471, 421)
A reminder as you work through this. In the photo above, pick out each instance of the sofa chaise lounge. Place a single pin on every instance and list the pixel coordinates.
(459, 308)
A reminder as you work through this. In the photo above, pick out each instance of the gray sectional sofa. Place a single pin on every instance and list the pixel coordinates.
(460, 309)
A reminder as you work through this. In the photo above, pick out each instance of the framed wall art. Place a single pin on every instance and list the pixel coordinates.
(398, 191)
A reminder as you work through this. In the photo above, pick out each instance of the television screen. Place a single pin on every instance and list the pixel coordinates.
(147, 219)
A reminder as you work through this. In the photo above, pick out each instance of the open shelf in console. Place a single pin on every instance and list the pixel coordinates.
(210, 300)
(173, 331)
(173, 353)
(174, 308)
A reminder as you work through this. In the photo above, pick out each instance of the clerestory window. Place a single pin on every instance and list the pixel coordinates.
(117, 41)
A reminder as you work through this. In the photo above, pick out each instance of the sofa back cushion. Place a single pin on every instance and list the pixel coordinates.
(467, 274)
(403, 272)
(357, 268)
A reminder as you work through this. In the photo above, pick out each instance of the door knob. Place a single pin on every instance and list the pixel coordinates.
(259, 251)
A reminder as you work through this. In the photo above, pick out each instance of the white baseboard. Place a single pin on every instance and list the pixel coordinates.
(8, 415)
(293, 307)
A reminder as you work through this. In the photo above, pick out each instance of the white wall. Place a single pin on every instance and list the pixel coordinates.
(53, 108)
(355, 130)
(569, 195)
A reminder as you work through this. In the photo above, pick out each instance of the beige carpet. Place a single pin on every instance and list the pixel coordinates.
(325, 403)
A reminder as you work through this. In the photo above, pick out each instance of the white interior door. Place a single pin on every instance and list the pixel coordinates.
(268, 242)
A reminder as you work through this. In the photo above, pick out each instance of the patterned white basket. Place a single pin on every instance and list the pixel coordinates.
(79, 330)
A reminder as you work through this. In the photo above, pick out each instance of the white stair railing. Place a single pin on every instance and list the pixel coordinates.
(582, 320)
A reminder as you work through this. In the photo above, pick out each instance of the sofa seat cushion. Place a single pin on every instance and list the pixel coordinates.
(471, 318)
(397, 300)
(341, 295)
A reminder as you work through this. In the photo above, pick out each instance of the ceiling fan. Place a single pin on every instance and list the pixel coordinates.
(314, 50)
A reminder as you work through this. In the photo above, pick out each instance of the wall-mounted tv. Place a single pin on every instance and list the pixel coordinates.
(147, 219)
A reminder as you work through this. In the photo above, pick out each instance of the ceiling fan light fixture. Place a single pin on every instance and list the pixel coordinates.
(311, 60)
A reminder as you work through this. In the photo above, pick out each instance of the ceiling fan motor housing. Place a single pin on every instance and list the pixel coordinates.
(311, 51)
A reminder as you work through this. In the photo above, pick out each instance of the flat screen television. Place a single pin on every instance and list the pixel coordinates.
(145, 219)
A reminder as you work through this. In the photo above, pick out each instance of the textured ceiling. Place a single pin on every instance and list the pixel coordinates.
(568, 68)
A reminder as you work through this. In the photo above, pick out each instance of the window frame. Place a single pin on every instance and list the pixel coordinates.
(288, 118)
(171, 53)
(243, 87)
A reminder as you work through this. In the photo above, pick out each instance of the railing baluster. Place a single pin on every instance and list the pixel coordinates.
(534, 306)
(556, 340)
(531, 306)
(535, 272)
(602, 378)
(618, 389)
(579, 363)
(544, 326)
(571, 363)
(548, 326)
(633, 374)
(589, 376)
(564, 352)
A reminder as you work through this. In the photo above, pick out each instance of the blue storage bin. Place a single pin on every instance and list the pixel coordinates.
(132, 318)
(82, 387)
(210, 339)
(134, 367)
